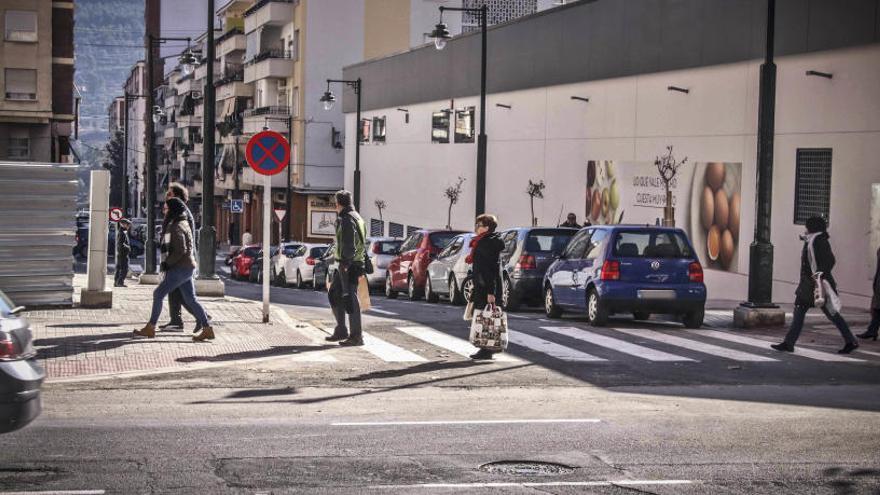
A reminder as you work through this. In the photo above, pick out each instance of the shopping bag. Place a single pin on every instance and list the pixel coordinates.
(364, 294)
(489, 329)
(832, 300)
(469, 312)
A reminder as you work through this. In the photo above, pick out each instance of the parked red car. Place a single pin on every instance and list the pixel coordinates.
(241, 262)
(409, 270)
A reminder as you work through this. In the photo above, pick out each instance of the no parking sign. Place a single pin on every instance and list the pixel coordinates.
(268, 153)
(115, 214)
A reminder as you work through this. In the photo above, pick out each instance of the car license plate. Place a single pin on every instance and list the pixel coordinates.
(656, 294)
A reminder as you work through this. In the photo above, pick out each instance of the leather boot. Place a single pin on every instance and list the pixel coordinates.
(207, 333)
(149, 331)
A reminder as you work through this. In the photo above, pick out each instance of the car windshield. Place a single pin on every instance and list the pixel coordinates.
(251, 252)
(648, 244)
(317, 252)
(548, 241)
(387, 247)
(5, 305)
(442, 239)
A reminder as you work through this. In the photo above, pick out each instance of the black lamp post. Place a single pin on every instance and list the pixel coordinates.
(329, 99)
(441, 36)
(761, 250)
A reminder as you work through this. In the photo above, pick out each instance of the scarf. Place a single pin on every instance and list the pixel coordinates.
(469, 259)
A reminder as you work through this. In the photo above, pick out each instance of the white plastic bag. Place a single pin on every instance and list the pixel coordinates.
(489, 329)
(469, 312)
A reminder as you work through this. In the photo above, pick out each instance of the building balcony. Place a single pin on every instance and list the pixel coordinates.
(270, 63)
(189, 121)
(234, 89)
(169, 132)
(251, 178)
(268, 12)
(201, 73)
(231, 41)
(272, 117)
(187, 84)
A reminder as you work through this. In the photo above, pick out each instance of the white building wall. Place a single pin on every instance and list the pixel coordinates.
(547, 135)
(334, 38)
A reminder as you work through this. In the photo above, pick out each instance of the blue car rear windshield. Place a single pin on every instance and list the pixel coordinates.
(651, 245)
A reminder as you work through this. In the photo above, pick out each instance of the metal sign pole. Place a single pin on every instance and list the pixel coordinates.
(267, 242)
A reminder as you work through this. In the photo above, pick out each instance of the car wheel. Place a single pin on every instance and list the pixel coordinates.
(430, 295)
(694, 319)
(413, 293)
(316, 286)
(281, 279)
(509, 301)
(455, 294)
(273, 278)
(551, 309)
(597, 313)
(641, 315)
(467, 290)
(390, 293)
(299, 280)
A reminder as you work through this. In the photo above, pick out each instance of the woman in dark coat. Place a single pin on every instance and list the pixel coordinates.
(874, 326)
(485, 254)
(804, 299)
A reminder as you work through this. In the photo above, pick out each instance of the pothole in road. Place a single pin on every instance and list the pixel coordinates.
(526, 468)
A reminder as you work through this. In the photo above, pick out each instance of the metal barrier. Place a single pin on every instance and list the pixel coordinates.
(37, 232)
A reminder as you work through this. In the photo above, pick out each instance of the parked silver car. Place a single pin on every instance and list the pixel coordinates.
(381, 250)
(20, 375)
(449, 274)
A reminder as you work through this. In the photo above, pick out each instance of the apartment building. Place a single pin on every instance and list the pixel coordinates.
(37, 103)
(136, 140)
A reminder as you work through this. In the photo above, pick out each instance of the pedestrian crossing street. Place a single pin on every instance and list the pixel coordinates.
(412, 343)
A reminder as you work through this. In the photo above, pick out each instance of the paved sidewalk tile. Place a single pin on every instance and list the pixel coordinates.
(80, 342)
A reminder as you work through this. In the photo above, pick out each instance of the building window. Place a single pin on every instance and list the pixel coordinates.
(378, 129)
(812, 186)
(395, 229)
(440, 127)
(21, 25)
(21, 84)
(18, 149)
(412, 228)
(377, 228)
(464, 125)
(365, 131)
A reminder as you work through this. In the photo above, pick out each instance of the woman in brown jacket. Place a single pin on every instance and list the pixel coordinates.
(874, 326)
(179, 265)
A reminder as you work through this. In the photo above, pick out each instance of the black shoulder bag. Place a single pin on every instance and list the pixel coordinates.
(368, 262)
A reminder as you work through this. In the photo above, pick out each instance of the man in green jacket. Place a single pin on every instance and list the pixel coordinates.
(350, 253)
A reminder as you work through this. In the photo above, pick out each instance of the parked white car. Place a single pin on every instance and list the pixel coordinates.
(298, 265)
(280, 257)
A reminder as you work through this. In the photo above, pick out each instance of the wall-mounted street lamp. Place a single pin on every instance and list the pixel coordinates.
(502, 105)
(581, 98)
(188, 61)
(329, 99)
(679, 89)
(441, 36)
(826, 75)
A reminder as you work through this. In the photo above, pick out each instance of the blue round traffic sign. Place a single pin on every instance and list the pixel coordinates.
(268, 153)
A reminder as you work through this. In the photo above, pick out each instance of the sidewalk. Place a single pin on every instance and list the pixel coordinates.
(82, 342)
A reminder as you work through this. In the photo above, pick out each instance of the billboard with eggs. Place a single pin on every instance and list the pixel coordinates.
(706, 197)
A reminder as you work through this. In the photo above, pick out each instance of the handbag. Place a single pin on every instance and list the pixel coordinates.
(363, 292)
(824, 295)
(469, 312)
(489, 329)
(368, 262)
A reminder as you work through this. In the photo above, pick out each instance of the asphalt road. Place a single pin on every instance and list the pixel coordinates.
(410, 414)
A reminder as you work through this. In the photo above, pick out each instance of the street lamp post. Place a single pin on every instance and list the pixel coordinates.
(441, 36)
(208, 234)
(329, 99)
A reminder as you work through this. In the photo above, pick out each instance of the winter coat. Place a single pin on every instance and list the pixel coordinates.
(487, 269)
(179, 245)
(875, 301)
(123, 243)
(824, 263)
(351, 236)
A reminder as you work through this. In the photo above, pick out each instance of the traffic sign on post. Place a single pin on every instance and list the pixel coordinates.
(236, 206)
(115, 214)
(267, 153)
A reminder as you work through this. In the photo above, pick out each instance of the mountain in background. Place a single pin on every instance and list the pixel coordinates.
(109, 40)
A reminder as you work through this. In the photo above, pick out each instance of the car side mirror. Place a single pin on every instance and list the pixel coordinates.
(16, 310)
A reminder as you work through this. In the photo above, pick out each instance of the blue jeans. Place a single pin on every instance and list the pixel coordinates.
(797, 324)
(178, 278)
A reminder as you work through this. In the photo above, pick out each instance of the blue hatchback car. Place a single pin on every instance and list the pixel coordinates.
(627, 269)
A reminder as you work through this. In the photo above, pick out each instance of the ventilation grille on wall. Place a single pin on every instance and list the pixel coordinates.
(411, 228)
(812, 189)
(395, 229)
(377, 228)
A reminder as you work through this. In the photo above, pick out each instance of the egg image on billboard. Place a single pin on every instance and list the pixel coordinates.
(715, 175)
(721, 209)
(713, 243)
(727, 247)
(597, 204)
(613, 196)
(591, 173)
(733, 216)
(707, 208)
(605, 202)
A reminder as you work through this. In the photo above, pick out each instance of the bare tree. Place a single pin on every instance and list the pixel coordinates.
(668, 168)
(380, 205)
(452, 193)
(535, 190)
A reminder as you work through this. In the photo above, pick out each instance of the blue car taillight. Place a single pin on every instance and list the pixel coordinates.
(610, 270)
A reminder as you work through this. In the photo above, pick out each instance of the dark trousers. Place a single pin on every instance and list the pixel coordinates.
(121, 270)
(344, 299)
(175, 303)
(874, 326)
(797, 324)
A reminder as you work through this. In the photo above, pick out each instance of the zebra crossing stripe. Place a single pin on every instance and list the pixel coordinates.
(389, 352)
(448, 342)
(616, 344)
(550, 348)
(694, 345)
(763, 344)
(314, 357)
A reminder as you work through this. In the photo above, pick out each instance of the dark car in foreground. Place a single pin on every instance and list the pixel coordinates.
(528, 253)
(634, 269)
(20, 375)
